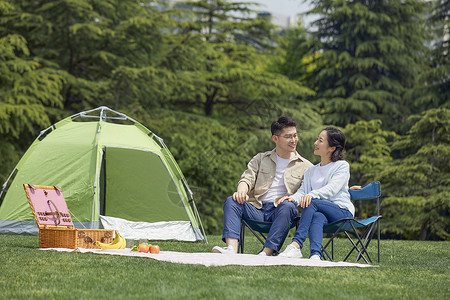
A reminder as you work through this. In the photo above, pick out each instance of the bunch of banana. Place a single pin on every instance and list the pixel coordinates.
(118, 243)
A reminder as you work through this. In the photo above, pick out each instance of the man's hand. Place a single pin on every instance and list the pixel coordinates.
(305, 201)
(282, 199)
(240, 196)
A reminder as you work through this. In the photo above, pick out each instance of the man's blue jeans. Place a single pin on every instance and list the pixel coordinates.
(282, 217)
(312, 220)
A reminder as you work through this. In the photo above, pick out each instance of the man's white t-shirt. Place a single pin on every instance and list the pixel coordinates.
(278, 188)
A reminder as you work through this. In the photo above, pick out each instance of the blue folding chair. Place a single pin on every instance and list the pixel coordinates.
(259, 230)
(368, 192)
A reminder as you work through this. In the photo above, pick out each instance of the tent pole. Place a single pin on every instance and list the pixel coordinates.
(3, 192)
(97, 174)
(102, 115)
(199, 220)
(197, 215)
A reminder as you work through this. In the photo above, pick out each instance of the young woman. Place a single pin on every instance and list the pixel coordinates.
(323, 194)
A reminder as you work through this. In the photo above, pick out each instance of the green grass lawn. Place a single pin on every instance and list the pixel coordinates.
(408, 270)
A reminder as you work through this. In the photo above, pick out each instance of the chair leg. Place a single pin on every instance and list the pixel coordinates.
(254, 232)
(244, 224)
(262, 240)
(324, 252)
(331, 240)
(378, 231)
(241, 239)
(332, 249)
(362, 240)
(363, 249)
(355, 246)
(368, 235)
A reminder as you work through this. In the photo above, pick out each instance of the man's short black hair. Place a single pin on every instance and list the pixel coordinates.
(281, 123)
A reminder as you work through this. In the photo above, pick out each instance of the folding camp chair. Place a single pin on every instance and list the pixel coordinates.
(258, 227)
(370, 191)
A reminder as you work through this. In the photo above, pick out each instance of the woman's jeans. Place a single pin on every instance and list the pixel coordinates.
(282, 217)
(312, 220)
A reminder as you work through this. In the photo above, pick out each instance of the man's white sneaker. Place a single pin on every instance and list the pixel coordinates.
(262, 253)
(224, 250)
(291, 251)
(315, 257)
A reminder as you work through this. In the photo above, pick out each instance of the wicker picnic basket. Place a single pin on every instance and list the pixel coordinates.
(56, 229)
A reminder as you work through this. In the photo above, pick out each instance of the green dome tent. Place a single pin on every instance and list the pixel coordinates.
(114, 173)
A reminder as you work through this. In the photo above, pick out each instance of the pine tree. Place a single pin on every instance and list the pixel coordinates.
(433, 86)
(367, 150)
(294, 55)
(371, 53)
(232, 71)
(416, 201)
(28, 90)
(110, 52)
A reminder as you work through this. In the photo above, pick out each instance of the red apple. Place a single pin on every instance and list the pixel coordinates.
(154, 249)
(143, 248)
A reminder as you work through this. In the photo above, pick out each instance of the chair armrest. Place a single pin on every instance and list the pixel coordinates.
(369, 191)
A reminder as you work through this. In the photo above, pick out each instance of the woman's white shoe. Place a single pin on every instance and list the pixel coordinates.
(315, 257)
(291, 251)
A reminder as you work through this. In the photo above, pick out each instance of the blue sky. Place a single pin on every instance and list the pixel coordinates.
(284, 7)
(289, 8)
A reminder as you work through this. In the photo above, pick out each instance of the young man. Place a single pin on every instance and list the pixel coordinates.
(270, 175)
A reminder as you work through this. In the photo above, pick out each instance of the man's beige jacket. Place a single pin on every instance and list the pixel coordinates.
(261, 172)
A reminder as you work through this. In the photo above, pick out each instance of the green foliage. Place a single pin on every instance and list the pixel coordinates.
(367, 151)
(107, 51)
(9, 155)
(371, 53)
(232, 71)
(294, 57)
(27, 90)
(417, 203)
(433, 85)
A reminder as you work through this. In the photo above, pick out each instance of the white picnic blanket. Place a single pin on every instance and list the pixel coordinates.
(216, 259)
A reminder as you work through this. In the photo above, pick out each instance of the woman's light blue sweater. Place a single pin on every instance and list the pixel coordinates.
(335, 187)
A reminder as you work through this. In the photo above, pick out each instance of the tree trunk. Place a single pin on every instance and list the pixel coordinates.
(210, 102)
(208, 105)
(423, 234)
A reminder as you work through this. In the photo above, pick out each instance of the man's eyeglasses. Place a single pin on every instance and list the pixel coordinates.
(289, 136)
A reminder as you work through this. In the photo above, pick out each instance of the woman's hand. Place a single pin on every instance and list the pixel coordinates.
(356, 187)
(282, 199)
(305, 201)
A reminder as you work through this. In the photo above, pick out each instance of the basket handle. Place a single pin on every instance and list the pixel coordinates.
(57, 213)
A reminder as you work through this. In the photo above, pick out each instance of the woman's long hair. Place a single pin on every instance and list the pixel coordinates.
(336, 138)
